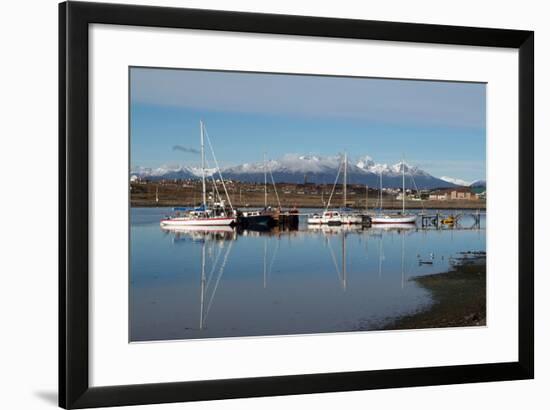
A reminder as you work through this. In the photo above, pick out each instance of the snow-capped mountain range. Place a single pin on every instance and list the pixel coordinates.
(456, 181)
(294, 168)
(171, 172)
(478, 183)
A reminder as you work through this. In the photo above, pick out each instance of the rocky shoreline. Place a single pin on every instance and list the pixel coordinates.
(459, 299)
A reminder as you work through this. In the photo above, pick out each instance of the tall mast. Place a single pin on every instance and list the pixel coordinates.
(380, 251)
(345, 178)
(366, 198)
(265, 182)
(403, 193)
(402, 259)
(380, 190)
(344, 270)
(202, 167)
(265, 262)
(203, 282)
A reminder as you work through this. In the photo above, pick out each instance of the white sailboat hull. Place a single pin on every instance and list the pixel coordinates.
(324, 220)
(214, 221)
(352, 219)
(199, 229)
(393, 227)
(393, 219)
(337, 219)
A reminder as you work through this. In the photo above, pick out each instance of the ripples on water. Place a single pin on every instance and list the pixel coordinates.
(330, 279)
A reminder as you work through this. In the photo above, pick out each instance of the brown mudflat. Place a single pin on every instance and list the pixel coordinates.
(459, 300)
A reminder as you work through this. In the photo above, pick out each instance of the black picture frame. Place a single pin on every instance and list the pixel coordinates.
(74, 20)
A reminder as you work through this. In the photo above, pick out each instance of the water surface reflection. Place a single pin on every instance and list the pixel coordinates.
(203, 283)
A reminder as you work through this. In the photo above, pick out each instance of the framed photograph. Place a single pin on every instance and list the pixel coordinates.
(257, 204)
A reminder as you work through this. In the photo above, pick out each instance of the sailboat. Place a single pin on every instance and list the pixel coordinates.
(204, 216)
(398, 218)
(328, 217)
(259, 218)
(345, 216)
(348, 216)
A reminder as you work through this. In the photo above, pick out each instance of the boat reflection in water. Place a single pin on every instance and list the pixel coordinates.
(210, 282)
(394, 227)
(335, 239)
(200, 233)
(345, 230)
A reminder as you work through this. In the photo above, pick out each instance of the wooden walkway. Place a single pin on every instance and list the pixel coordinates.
(437, 219)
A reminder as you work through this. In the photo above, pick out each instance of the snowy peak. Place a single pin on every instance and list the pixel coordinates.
(171, 171)
(289, 163)
(365, 162)
(315, 164)
(299, 168)
(456, 181)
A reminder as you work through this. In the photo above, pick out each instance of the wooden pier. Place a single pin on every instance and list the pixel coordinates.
(288, 219)
(451, 220)
(430, 220)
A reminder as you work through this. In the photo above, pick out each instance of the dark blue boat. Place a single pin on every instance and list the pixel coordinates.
(251, 219)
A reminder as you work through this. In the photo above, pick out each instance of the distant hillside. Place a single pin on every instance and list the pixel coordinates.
(481, 183)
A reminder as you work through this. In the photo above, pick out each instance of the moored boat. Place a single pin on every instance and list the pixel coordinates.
(327, 217)
(254, 218)
(260, 218)
(345, 216)
(195, 218)
(394, 218)
(350, 218)
(190, 229)
(218, 215)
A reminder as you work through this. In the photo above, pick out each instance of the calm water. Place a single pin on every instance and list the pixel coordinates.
(332, 279)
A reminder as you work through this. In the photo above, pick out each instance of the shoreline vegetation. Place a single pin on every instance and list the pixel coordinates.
(297, 195)
(459, 300)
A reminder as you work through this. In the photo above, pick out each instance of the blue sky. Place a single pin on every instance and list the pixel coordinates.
(438, 126)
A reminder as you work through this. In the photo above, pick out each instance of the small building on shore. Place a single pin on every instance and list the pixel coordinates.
(452, 194)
